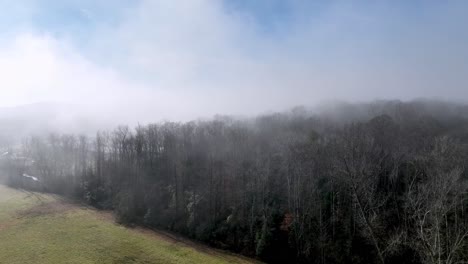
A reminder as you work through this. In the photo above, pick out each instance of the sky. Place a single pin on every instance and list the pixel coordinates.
(149, 60)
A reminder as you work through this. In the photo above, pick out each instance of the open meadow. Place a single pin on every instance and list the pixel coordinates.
(37, 228)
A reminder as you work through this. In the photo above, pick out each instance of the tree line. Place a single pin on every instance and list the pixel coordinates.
(384, 182)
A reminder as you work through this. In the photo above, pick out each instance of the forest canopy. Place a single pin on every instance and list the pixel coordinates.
(378, 182)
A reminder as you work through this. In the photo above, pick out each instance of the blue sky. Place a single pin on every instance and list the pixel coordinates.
(185, 59)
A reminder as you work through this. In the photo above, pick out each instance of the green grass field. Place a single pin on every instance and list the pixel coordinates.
(43, 229)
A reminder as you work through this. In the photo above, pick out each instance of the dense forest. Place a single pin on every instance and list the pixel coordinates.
(380, 182)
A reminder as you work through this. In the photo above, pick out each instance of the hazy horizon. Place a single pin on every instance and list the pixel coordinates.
(157, 60)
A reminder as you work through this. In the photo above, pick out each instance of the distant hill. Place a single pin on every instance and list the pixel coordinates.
(42, 118)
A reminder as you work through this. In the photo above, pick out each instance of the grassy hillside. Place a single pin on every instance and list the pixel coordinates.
(42, 229)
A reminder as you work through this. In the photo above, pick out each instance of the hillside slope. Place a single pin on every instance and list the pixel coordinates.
(37, 228)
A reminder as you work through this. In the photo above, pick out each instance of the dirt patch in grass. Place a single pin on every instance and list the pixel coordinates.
(104, 215)
(198, 246)
(8, 224)
(46, 208)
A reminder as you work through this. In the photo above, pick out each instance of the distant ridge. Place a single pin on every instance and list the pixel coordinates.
(45, 117)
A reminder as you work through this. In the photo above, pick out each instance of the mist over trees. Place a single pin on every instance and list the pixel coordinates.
(381, 182)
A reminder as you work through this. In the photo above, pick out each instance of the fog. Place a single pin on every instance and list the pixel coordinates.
(285, 131)
(145, 61)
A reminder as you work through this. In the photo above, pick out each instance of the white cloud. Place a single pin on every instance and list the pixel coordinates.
(41, 68)
(182, 60)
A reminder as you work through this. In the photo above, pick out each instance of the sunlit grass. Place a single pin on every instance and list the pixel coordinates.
(79, 235)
